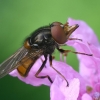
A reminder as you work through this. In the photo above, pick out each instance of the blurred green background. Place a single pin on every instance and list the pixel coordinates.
(18, 18)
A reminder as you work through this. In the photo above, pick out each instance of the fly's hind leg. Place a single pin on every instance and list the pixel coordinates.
(50, 60)
(41, 68)
(42, 61)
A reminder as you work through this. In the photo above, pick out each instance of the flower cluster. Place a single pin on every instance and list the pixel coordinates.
(83, 85)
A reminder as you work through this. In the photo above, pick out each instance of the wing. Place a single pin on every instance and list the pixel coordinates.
(11, 63)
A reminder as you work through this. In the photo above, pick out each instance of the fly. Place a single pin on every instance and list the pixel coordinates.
(42, 41)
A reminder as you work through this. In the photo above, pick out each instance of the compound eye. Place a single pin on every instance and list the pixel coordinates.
(58, 33)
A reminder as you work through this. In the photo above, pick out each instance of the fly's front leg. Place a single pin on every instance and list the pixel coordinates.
(41, 68)
(65, 52)
(50, 60)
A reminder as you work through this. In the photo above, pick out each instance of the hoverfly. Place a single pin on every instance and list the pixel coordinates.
(42, 41)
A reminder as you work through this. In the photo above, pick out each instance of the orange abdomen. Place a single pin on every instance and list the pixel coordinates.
(25, 65)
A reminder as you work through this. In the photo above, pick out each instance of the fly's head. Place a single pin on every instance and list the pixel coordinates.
(61, 32)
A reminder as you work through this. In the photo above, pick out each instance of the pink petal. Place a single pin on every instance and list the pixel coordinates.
(71, 92)
(55, 92)
(60, 91)
(86, 73)
(84, 48)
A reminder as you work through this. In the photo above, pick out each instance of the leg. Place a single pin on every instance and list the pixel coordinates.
(42, 61)
(50, 60)
(65, 52)
(53, 57)
(75, 39)
(40, 69)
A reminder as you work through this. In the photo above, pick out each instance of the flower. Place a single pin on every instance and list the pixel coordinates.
(89, 67)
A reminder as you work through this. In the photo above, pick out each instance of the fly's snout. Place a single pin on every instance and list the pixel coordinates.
(70, 29)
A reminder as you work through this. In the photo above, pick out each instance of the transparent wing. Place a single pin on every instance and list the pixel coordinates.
(11, 63)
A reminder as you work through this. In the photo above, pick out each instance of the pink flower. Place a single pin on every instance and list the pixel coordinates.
(89, 67)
